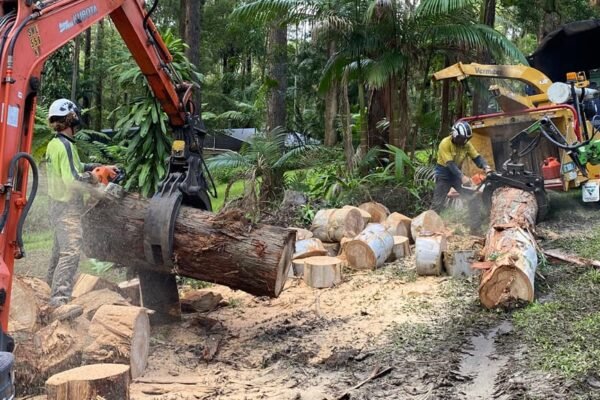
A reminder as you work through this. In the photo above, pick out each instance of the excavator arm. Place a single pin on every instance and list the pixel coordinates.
(530, 76)
(31, 31)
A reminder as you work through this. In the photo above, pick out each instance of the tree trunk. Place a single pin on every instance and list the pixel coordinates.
(87, 74)
(225, 249)
(277, 56)
(75, 72)
(395, 112)
(488, 17)
(331, 106)
(99, 81)
(510, 249)
(364, 120)
(121, 335)
(190, 29)
(91, 382)
(445, 119)
(404, 110)
(347, 118)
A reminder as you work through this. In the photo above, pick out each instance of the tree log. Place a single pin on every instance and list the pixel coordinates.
(92, 301)
(121, 335)
(334, 224)
(510, 249)
(365, 214)
(429, 221)
(429, 249)
(322, 272)
(401, 248)
(200, 301)
(225, 248)
(131, 291)
(88, 283)
(29, 296)
(370, 249)
(378, 211)
(91, 382)
(393, 222)
(309, 248)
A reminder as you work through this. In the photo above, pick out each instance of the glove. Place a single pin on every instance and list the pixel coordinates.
(105, 174)
(466, 181)
(488, 169)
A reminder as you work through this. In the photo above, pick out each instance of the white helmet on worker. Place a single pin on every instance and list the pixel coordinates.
(62, 108)
(461, 133)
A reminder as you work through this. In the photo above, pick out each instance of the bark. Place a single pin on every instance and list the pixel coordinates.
(91, 382)
(120, 335)
(364, 121)
(395, 112)
(445, 119)
(429, 248)
(404, 111)
(347, 124)
(375, 113)
(277, 56)
(190, 30)
(488, 17)
(331, 106)
(510, 250)
(224, 248)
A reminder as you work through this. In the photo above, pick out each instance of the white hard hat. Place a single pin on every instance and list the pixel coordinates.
(62, 108)
(461, 132)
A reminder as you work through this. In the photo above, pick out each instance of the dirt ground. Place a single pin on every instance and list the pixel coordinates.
(417, 338)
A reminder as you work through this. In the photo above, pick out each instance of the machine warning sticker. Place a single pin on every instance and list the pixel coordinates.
(13, 116)
(34, 39)
(78, 18)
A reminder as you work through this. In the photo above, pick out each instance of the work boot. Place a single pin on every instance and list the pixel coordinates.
(66, 312)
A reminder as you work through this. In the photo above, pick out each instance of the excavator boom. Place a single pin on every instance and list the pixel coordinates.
(31, 31)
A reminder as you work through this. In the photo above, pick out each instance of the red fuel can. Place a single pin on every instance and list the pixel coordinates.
(551, 168)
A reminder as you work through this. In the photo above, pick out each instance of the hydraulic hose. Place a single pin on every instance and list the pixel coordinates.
(9, 186)
(564, 145)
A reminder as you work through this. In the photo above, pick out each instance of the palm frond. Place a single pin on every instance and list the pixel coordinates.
(441, 7)
(380, 71)
(284, 11)
(229, 159)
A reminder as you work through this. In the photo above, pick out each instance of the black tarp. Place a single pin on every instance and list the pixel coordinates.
(573, 47)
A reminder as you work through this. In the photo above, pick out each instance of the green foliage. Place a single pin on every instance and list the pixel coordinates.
(143, 130)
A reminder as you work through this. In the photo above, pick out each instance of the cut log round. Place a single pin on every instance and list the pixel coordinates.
(298, 267)
(429, 250)
(370, 249)
(90, 382)
(120, 335)
(394, 220)
(302, 234)
(378, 211)
(92, 301)
(401, 247)
(511, 249)
(334, 224)
(365, 214)
(322, 272)
(86, 283)
(225, 248)
(29, 296)
(54, 348)
(333, 249)
(200, 301)
(131, 291)
(309, 248)
(429, 221)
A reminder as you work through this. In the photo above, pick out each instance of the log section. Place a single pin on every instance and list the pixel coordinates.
(224, 248)
(334, 224)
(370, 249)
(91, 382)
(510, 249)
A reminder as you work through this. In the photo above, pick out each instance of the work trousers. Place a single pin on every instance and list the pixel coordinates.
(65, 219)
(440, 194)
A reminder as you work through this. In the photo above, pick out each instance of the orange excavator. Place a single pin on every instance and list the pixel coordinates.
(30, 31)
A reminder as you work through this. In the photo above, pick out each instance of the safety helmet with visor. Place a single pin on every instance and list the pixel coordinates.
(461, 133)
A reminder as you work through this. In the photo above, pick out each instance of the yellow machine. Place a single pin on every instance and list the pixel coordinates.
(542, 100)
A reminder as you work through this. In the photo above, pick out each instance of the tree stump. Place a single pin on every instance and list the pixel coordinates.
(334, 224)
(370, 249)
(510, 249)
(322, 272)
(90, 382)
(226, 248)
(378, 212)
(120, 335)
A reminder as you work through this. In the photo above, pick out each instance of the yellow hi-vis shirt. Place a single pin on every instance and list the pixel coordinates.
(64, 167)
(448, 151)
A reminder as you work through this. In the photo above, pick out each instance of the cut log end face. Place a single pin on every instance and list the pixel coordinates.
(378, 212)
(359, 255)
(285, 263)
(322, 272)
(505, 285)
